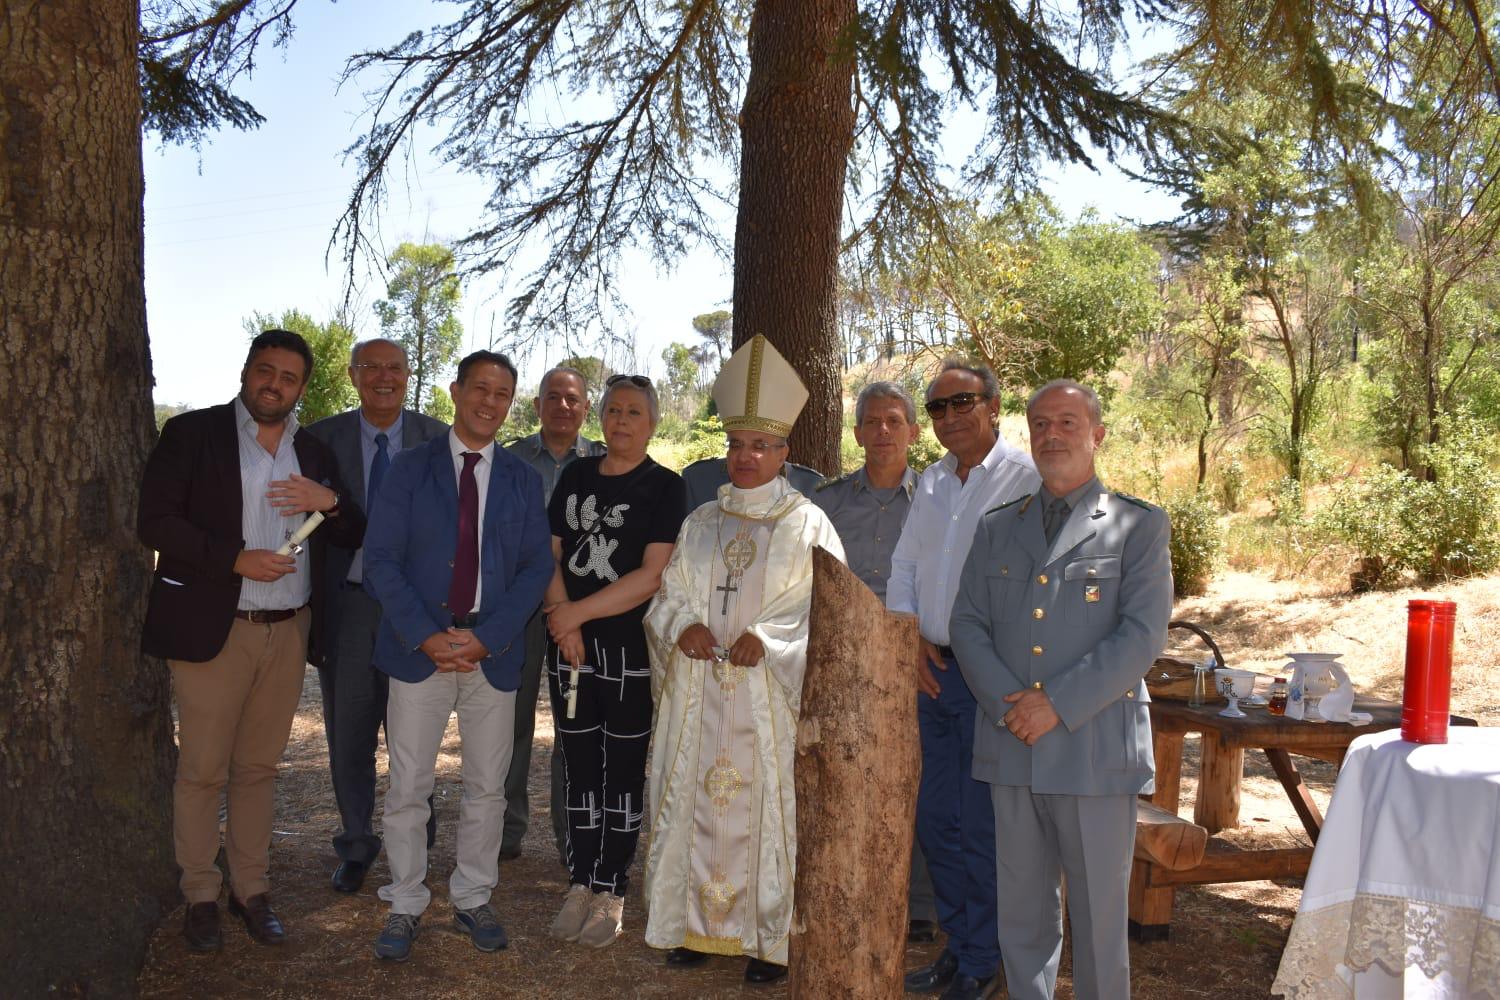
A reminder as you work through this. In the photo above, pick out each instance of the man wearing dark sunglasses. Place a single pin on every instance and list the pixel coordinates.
(955, 819)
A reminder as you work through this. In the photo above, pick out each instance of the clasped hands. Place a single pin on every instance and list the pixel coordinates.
(565, 624)
(698, 642)
(456, 650)
(1032, 715)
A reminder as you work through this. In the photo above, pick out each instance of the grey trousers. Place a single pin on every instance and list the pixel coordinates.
(1039, 839)
(517, 802)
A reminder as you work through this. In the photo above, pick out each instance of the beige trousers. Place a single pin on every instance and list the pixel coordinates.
(234, 714)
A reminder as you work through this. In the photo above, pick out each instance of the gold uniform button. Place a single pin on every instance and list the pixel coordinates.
(1093, 572)
(1036, 650)
(1042, 579)
(1130, 694)
(1038, 614)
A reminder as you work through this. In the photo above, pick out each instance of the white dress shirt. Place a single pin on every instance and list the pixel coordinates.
(482, 480)
(940, 527)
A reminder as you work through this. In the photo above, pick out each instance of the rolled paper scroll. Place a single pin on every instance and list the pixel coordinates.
(300, 535)
(572, 690)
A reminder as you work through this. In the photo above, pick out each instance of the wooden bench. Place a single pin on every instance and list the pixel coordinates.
(1164, 843)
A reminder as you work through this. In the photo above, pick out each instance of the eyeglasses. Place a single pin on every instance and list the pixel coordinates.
(389, 369)
(756, 447)
(639, 381)
(962, 402)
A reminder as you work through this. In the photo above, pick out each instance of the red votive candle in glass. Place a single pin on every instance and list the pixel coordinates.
(1429, 671)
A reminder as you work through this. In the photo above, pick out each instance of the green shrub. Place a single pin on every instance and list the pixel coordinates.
(1231, 484)
(1197, 540)
(1396, 523)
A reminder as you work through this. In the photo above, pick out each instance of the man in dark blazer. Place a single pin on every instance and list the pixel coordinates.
(364, 440)
(1061, 609)
(458, 554)
(224, 489)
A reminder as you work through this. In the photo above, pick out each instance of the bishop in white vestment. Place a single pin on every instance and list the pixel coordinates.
(728, 635)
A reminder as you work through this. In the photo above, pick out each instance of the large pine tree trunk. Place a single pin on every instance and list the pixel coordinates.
(796, 129)
(858, 760)
(85, 732)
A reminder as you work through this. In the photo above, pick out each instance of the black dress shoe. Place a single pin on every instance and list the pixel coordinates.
(510, 853)
(349, 876)
(686, 957)
(757, 971)
(200, 925)
(921, 931)
(260, 920)
(931, 978)
(967, 988)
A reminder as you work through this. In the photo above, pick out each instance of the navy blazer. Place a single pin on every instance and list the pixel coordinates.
(190, 513)
(409, 550)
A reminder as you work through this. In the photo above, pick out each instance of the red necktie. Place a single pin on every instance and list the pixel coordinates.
(466, 558)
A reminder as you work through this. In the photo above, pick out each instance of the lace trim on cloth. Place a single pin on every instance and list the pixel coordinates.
(1393, 933)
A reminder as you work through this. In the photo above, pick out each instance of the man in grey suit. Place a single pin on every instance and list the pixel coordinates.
(1062, 607)
(562, 405)
(364, 441)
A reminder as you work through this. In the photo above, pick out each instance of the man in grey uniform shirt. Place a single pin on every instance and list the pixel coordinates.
(562, 403)
(868, 507)
(1062, 608)
(705, 476)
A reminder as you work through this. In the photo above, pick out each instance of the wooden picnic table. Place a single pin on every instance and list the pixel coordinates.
(1224, 742)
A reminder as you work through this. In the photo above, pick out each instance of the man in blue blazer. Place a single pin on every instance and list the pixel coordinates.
(458, 553)
(364, 440)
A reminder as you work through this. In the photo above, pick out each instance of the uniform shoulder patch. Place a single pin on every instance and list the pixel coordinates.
(1135, 500)
(832, 481)
(1008, 503)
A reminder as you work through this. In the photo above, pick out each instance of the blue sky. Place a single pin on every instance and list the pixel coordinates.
(243, 224)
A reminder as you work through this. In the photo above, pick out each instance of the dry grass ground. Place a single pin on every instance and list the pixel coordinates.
(1226, 940)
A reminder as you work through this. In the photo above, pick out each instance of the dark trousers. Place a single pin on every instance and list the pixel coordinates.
(956, 825)
(604, 750)
(354, 695)
(517, 801)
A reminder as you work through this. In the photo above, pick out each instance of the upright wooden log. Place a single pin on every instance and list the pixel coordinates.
(858, 760)
(1222, 768)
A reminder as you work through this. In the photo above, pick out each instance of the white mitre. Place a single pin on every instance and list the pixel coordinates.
(757, 390)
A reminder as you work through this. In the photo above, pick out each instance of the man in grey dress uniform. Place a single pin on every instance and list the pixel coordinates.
(562, 404)
(1062, 607)
(364, 440)
(868, 507)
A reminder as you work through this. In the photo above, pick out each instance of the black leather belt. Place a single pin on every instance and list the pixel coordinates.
(947, 651)
(267, 617)
(467, 621)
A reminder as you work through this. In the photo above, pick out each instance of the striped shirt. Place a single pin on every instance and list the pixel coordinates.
(262, 525)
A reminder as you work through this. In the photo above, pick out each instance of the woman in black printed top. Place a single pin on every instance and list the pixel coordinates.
(614, 522)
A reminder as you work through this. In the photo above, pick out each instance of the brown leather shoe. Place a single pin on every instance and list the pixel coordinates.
(200, 925)
(260, 920)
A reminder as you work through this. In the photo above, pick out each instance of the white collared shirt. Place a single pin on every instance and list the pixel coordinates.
(940, 527)
(482, 480)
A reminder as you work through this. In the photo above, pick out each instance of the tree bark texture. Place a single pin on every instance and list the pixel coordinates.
(858, 760)
(86, 749)
(796, 130)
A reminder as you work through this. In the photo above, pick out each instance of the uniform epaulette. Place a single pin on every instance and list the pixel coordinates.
(832, 481)
(1009, 503)
(1135, 500)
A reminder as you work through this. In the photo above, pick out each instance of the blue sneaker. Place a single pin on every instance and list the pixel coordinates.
(395, 941)
(483, 928)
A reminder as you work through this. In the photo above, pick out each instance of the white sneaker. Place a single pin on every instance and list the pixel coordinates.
(606, 914)
(575, 909)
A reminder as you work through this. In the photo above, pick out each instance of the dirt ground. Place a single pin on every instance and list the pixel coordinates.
(1226, 940)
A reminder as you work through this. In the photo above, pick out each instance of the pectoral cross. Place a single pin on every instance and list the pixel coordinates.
(727, 589)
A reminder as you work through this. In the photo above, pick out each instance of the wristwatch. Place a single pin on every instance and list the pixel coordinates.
(338, 498)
